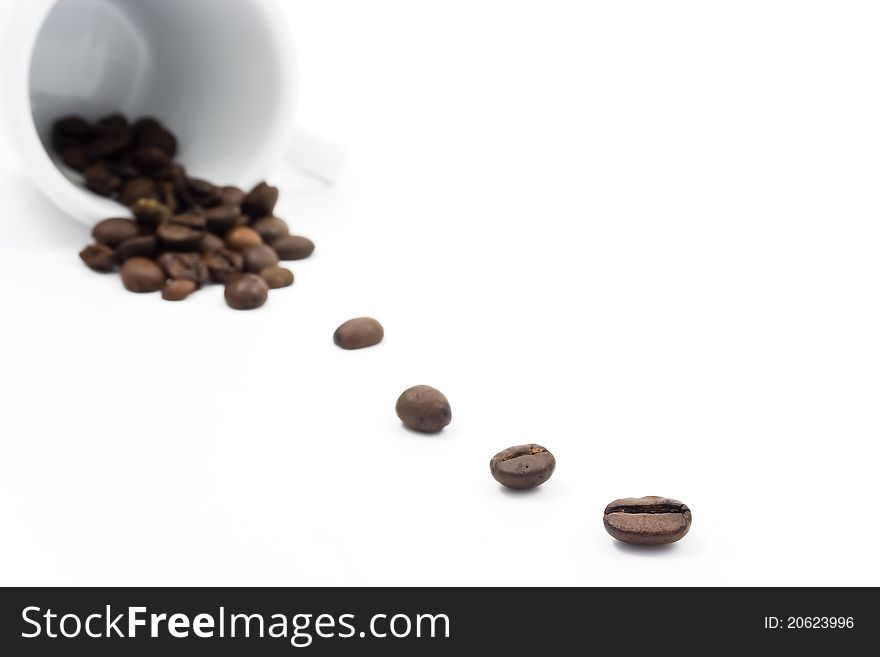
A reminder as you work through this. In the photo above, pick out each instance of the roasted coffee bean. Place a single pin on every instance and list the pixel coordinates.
(242, 237)
(114, 232)
(99, 257)
(423, 408)
(246, 292)
(76, 158)
(232, 195)
(149, 133)
(184, 266)
(150, 158)
(136, 189)
(123, 168)
(222, 218)
(179, 237)
(359, 333)
(647, 520)
(71, 131)
(261, 201)
(277, 277)
(293, 247)
(210, 242)
(271, 228)
(222, 264)
(114, 121)
(178, 290)
(199, 193)
(142, 275)
(523, 466)
(145, 246)
(149, 212)
(100, 180)
(112, 140)
(257, 258)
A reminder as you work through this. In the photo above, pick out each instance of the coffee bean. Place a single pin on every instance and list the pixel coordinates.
(169, 197)
(99, 257)
(145, 246)
(359, 333)
(149, 213)
(142, 275)
(179, 237)
(523, 466)
(210, 242)
(199, 193)
(293, 247)
(71, 131)
(112, 140)
(150, 158)
(242, 237)
(184, 266)
(261, 201)
(76, 158)
(100, 180)
(178, 290)
(232, 195)
(114, 121)
(246, 292)
(114, 232)
(423, 408)
(647, 520)
(277, 277)
(222, 218)
(222, 264)
(271, 228)
(136, 189)
(123, 168)
(149, 133)
(257, 258)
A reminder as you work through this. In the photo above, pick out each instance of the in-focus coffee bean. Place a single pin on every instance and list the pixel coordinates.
(359, 333)
(223, 263)
(114, 232)
(257, 258)
(142, 275)
(260, 202)
(647, 520)
(242, 237)
(423, 408)
(178, 290)
(293, 247)
(277, 277)
(99, 257)
(271, 228)
(246, 292)
(523, 466)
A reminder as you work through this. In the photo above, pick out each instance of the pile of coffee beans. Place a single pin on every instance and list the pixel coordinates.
(184, 232)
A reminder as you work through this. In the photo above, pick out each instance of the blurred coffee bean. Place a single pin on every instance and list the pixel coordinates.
(145, 246)
(114, 121)
(123, 168)
(222, 264)
(150, 158)
(71, 131)
(184, 266)
(210, 242)
(114, 232)
(99, 257)
(100, 180)
(178, 290)
(359, 333)
(150, 133)
(271, 228)
(113, 138)
(232, 195)
(261, 201)
(199, 193)
(257, 258)
(242, 237)
(75, 157)
(136, 189)
(293, 247)
(222, 218)
(179, 237)
(142, 275)
(277, 277)
(149, 213)
(246, 292)
(423, 408)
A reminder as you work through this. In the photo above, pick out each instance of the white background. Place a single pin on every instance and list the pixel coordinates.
(645, 235)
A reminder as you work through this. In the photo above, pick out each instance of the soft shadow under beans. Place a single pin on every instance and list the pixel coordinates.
(645, 550)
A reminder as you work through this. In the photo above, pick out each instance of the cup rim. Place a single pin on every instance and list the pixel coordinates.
(20, 39)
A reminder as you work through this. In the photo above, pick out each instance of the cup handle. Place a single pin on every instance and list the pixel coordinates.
(316, 156)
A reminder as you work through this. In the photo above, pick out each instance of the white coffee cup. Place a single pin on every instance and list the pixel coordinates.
(220, 73)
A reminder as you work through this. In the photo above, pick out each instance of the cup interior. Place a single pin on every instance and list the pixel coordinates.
(218, 73)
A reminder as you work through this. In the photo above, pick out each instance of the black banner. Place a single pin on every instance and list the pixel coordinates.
(513, 621)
